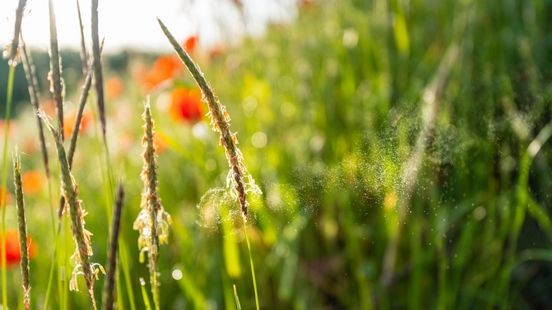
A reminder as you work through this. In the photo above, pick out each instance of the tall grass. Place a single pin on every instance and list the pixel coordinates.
(403, 149)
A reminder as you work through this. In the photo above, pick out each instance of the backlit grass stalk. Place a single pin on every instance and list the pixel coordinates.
(109, 286)
(56, 83)
(30, 74)
(152, 221)
(12, 51)
(220, 120)
(431, 97)
(81, 236)
(23, 244)
(98, 75)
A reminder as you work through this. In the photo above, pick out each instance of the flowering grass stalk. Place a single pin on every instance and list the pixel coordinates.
(23, 245)
(81, 236)
(220, 120)
(56, 83)
(152, 221)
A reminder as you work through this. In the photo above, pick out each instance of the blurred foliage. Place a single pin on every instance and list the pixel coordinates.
(327, 111)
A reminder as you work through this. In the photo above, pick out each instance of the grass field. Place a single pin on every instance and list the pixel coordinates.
(392, 154)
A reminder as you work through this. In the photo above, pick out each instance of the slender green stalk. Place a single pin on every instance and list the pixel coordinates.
(109, 286)
(251, 266)
(4, 182)
(236, 298)
(145, 297)
(23, 245)
(409, 177)
(55, 67)
(54, 254)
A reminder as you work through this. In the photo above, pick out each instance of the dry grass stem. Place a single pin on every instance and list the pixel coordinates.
(98, 74)
(109, 286)
(56, 83)
(32, 84)
(83, 52)
(12, 49)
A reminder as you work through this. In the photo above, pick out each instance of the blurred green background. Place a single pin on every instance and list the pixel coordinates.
(329, 112)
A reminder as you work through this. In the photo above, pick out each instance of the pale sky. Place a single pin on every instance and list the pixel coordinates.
(132, 23)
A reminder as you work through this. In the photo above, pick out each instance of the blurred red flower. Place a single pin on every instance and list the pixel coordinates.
(190, 44)
(186, 105)
(32, 181)
(13, 252)
(113, 88)
(5, 196)
(70, 119)
(164, 68)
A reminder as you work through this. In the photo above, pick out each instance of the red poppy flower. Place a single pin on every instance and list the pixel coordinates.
(164, 68)
(186, 105)
(69, 122)
(32, 181)
(13, 252)
(113, 88)
(190, 44)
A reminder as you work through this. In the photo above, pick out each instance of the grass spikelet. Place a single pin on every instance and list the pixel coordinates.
(81, 236)
(152, 221)
(23, 244)
(56, 83)
(98, 75)
(109, 286)
(11, 51)
(239, 180)
(32, 83)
